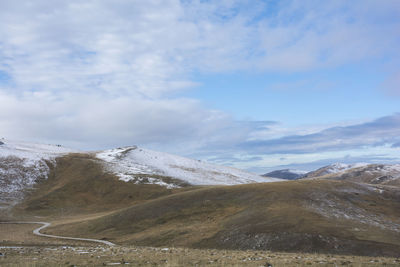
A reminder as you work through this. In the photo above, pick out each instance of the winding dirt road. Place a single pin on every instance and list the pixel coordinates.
(46, 224)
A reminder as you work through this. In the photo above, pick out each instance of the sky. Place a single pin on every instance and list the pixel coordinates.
(257, 85)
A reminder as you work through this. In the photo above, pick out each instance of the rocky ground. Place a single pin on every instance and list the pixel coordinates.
(149, 256)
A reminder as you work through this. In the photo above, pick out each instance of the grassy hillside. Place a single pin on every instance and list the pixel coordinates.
(307, 216)
(79, 184)
(325, 216)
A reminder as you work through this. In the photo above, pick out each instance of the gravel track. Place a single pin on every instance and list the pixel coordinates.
(47, 224)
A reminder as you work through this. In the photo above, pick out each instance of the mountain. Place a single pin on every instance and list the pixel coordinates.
(333, 168)
(79, 184)
(286, 174)
(137, 164)
(23, 165)
(135, 196)
(382, 174)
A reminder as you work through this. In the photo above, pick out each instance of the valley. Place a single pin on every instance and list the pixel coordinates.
(141, 201)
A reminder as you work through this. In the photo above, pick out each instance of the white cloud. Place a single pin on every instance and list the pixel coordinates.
(88, 121)
(103, 73)
(313, 34)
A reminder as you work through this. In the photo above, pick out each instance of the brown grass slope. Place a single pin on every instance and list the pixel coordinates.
(78, 184)
(304, 216)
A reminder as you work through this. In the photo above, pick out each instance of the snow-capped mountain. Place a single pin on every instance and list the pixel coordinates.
(131, 162)
(22, 165)
(286, 174)
(383, 174)
(333, 168)
(377, 174)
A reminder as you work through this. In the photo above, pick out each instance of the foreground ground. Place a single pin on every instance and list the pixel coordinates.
(80, 199)
(148, 256)
(19, 247)
(297, 223)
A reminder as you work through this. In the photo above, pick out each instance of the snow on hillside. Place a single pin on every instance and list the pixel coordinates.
(391, 169)
(340, 167)
(383, 174)
(31, 151)
(333, 169)
(21, 165)
(129, 163)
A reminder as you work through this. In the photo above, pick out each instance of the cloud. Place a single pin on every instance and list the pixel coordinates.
(104, 73)
(311, 34)
(149, 48)
(385, 130)
(98, 122)
(395, 145)
(231, 160)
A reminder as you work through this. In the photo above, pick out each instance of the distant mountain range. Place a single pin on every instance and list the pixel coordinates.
(358, 172)
(333, 168)
(377, 174)
(286, 174)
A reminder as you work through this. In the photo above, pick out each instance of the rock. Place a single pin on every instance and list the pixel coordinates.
(1, 143)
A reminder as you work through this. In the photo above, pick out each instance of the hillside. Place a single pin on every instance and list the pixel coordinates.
(332, 169)
(22, 165)
(307, 216)
(131, 162)
(379, 174)
(134, 196)
(78, 184)
(53, 179)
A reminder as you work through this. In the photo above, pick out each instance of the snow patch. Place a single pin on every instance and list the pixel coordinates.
(393, 170)
(340, 167)
(22, 164)
(31, 151)
(130, 162)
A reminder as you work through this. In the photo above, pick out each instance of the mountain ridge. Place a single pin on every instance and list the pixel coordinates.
(130, 162)
(287, 174)
(24, 164)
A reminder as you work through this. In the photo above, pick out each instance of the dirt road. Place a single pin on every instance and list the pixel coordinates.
(46, 224)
